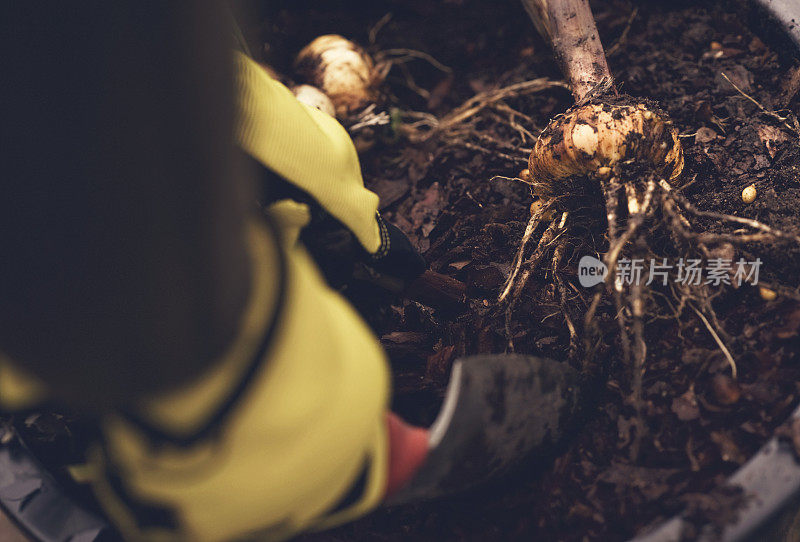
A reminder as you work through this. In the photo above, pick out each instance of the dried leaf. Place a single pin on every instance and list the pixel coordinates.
(791, 327)
(771, 137)
(728, 449)
(651, 482)
(460, 265)
(739, 76)
(389, 192)
(440, 362)
(425, 211)
(704, 135)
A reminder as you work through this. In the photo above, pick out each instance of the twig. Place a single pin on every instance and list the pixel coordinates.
(636, 220)
(719, 342)
(639, 356)
(411, 83)
(489, 97)
(755, 224)
(499, 154)
(503, 178)
(524, 134)
(406, 54)
(763, 109)
(502, 106)
(530, 264)
(562, 294)
(471, 107)
(369, 118)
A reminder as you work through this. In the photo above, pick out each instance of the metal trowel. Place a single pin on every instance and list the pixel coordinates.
(498, 410)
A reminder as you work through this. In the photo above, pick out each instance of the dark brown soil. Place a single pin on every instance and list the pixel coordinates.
(700, 424)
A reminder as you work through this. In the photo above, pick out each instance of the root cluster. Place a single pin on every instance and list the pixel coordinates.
(459, 127)
(629, 189)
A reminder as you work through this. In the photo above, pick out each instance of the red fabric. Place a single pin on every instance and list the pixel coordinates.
(408, 448)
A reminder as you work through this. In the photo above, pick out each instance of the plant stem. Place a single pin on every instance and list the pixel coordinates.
(570, 28)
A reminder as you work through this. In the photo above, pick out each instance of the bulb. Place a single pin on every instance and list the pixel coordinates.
(591, 139)
(342, 70)
(749, 194)
(315, 98)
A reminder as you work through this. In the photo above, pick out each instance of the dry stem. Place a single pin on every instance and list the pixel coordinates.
(570, 28)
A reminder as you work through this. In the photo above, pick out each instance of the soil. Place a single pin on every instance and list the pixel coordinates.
(697, 425)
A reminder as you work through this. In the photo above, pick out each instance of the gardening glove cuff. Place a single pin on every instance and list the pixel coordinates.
(408, 448)
(396, 256)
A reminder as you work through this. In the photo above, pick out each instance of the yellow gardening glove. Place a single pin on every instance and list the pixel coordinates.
(313, 152)
(305, 147)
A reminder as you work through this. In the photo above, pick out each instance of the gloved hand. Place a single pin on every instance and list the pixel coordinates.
(396, 257)
(342, 259)
(307, 156)
(336, 249)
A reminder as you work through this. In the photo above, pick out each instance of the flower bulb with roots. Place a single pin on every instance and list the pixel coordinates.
(623, 156)
(612, 164)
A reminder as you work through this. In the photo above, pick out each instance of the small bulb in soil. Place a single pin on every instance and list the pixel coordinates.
(591, 139)
(749, 194)
(525, 175)
(767, 294)
(314, 97)
(342, 70)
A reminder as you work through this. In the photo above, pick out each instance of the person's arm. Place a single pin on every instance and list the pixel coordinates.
(135, 281)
